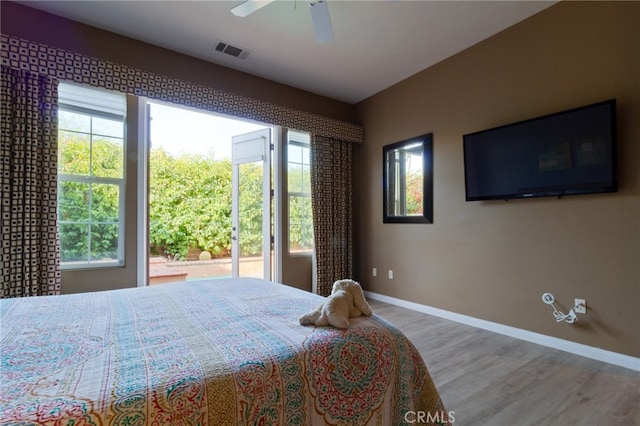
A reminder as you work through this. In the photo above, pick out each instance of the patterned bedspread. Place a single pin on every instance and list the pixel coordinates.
(217, 352)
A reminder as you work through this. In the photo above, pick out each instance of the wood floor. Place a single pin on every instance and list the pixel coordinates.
(490, 379)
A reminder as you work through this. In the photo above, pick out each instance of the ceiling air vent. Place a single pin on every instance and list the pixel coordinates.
(236, 52)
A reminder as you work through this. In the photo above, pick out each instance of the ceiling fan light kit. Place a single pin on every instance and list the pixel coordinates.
(320, 17)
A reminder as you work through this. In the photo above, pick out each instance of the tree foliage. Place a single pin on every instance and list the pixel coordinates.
(300, 223)
(251, 208)
(189, 204)
(88, 210)
(299, 187)
(415, 189)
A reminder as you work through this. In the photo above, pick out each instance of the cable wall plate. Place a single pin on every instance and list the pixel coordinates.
(548, 298)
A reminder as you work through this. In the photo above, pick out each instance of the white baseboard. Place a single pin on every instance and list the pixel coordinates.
(603, 355)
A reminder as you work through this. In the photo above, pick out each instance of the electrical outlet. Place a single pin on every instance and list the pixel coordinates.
(390, 274)
(374, 272)
(580, 307)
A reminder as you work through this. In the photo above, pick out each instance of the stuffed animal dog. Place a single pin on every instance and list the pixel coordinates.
(346, 301)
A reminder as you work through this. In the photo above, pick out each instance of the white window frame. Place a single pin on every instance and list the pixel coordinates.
(120, 182)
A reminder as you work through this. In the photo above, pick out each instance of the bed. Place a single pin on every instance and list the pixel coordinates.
(211, 352)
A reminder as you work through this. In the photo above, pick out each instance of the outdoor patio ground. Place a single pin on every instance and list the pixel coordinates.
(163, 271)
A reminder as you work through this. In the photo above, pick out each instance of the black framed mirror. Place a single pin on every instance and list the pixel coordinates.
(408, 180)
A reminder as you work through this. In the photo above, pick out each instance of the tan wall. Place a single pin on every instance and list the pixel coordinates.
(493, 260)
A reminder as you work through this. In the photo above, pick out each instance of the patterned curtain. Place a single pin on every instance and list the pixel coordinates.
(30, 257)
(331, 185)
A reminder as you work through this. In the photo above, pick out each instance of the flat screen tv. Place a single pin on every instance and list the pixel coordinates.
(566, 153)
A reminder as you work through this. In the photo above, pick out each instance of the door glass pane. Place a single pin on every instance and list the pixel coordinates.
(250, 219)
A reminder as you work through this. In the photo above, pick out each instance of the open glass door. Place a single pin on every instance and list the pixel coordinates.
(251, 205)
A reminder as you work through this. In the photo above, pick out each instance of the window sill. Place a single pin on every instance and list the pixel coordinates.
(84, 266)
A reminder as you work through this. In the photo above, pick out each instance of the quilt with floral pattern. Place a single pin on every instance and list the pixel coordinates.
(212, 352)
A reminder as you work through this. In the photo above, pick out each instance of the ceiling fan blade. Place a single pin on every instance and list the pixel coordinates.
(249, 6)
(321, 21)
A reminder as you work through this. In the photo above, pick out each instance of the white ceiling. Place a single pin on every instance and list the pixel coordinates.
(376, 44)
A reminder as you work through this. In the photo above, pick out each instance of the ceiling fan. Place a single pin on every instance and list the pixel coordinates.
(319, 15)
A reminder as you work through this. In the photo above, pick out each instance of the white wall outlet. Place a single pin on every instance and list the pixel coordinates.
(374, 272)
(390, 274)
(580, 307)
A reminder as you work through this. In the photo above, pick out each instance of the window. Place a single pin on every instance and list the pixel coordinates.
(91, 158)
(299, 193)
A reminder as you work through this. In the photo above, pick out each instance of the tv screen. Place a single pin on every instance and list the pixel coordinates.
(566, 153)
